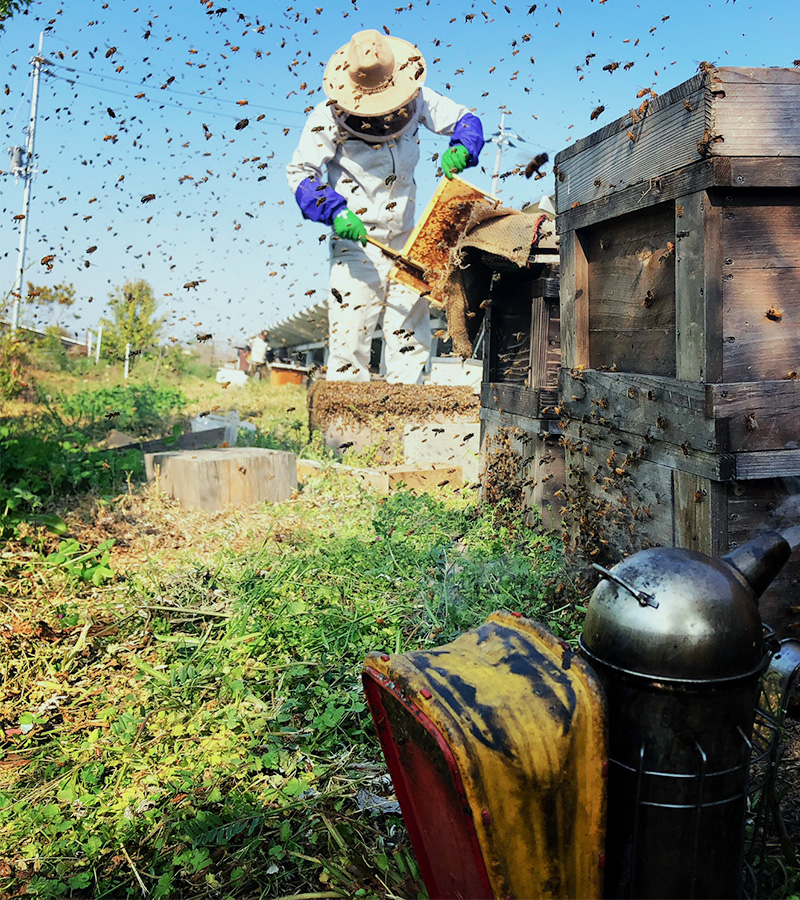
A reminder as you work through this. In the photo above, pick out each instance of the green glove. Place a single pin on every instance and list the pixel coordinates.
(347, 225)
(454, 160)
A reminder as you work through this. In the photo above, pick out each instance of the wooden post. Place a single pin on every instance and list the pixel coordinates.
(127, 358)
(99, 342)
(698, 288)
(574, 302)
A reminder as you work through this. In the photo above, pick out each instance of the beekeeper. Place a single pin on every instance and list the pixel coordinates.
(366, 135)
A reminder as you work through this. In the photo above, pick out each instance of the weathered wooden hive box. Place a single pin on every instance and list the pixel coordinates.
(680, 300)
(522, 354)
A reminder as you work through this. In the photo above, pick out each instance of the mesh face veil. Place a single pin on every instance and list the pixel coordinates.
(377, 129)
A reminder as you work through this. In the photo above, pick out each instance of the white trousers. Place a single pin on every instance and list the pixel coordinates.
(360, 296)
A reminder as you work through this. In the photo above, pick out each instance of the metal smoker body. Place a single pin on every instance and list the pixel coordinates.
(678, 644)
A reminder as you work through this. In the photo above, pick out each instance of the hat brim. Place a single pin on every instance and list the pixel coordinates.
(406, 80)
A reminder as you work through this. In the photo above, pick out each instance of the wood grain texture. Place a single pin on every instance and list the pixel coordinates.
(213, 480)
(700, 506)
(759, 416)
(761, 313)
(574, 298)
(760, 229)
(726, 113)
(631, 275)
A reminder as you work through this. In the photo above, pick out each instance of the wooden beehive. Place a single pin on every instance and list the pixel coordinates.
(680, 300)
(519, 395)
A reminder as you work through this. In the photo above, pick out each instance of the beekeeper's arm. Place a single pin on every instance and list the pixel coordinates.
(444, 116)
(317, 200)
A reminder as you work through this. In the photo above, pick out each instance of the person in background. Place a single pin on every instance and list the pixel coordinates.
(365, 137)
(259, 350)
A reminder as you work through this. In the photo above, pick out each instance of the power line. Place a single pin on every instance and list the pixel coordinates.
(172, 90)
(160, 103)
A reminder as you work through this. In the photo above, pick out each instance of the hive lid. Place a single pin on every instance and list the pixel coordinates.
(683, 617)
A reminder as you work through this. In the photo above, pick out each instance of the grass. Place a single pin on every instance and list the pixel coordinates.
(181, 712)
(202, 731)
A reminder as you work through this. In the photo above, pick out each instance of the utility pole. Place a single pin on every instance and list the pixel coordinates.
(26, 169)
(503, 139)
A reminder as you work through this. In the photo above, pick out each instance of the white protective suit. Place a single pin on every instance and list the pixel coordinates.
(377, 180)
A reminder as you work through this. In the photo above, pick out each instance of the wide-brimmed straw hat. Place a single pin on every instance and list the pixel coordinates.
(374, 74)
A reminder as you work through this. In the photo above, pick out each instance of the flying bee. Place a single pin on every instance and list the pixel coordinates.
(535, 164)
(242, 123)
(204, 337)
(46, 260)
(773, 314)
(111, 415)
(597, 112)
(346, 445)
(148, 197)
(611, 67)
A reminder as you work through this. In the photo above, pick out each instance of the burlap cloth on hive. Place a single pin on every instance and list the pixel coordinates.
(502, 232)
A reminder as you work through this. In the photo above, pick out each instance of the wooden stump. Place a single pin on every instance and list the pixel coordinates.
(212, 480)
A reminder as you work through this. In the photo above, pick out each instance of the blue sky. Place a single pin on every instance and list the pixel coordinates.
(222, 214)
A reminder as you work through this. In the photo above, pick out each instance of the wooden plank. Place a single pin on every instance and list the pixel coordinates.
(759, 416)
(511, 398)
(750, 112)
(700, 513)
(628, 445)
(609, 515)
(760, 229)
(698, 176)
(501, 418)
(757, 119)
(759, 171)
(761, 324)
(540, 327)
(632, 292)
(663, 141)
(697, 277)
(574, 293)
(767, 464)
(662, 408)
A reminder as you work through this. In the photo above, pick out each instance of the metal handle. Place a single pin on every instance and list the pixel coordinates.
(643, 597)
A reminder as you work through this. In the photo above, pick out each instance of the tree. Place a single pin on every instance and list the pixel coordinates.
(57, 299)
(9, 7)
(132, 320)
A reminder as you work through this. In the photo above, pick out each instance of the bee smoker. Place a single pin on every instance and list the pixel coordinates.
(677, 642)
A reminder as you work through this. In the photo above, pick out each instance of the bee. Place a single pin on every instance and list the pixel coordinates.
(110, 52)
(687, 106)
(46, 260)
(628, 66)
(774, 315)
(611, 67)
(204, 413)
(649, 299)
(751, 422)
(92, 249)
(204, 337)
(705, 67)
(337, 295)
(391, 206)
(112, 415)
(597, 112)
(242, 123)
(225, 385)
(390, 180)
(148, 197)
(704, 144)
(243, 470)
(346, 445)
(535, 164)
(193, 284)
